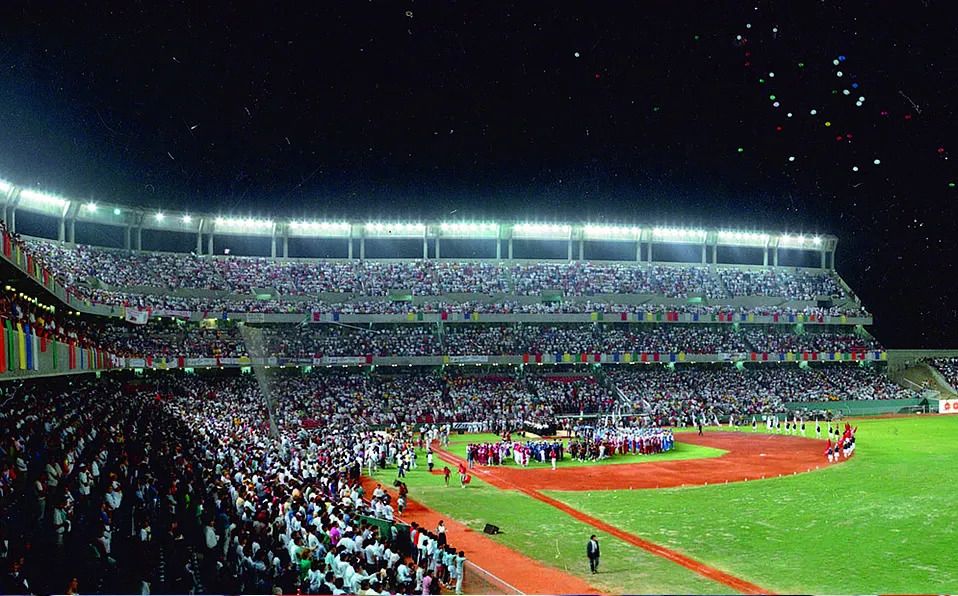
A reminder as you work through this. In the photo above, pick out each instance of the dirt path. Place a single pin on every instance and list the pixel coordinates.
(750, 457)
(516, 569)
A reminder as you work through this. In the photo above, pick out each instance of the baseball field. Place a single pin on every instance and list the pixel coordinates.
(731, 511)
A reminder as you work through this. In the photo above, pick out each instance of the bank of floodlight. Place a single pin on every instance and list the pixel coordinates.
(41, 198)
(669, 234)
(542, 230)
(610, 232)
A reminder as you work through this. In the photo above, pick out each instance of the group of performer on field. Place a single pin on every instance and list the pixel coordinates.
(592, 445)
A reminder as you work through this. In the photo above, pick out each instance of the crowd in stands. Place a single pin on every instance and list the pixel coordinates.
(948, 367)
(686, 395)
(797, 285)
(173, 339)
(119, 277)
(177, 485)
(782, 340)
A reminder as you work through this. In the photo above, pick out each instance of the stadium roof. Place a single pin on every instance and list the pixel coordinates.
(68, 211)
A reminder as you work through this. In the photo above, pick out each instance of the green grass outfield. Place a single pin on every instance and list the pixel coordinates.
(886, 521)
(550, 536)
(458, 444)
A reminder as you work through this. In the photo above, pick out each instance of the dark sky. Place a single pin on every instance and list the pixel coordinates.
(587, 111)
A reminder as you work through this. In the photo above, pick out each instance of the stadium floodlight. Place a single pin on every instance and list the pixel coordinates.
(187, 219)
(542, 230)
(742, 238)
(117, 211)
(678, 235)
(322, 227)
(5, 186)
(468, 228)
(41, 198)
(395, 229)
(610, 232)
(243, 223)
(817, 240)
(159, 216)
(91, 206)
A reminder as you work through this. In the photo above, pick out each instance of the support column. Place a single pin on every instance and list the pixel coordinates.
(349, 246)
(775, 257)
(209, 244)
(638, 251)
(285, 245)
(715, 254)
(61, 230)
(650, 252)
(199, 243)
(13, 220)
(704, 260)
(139, 239)
(425, 247)
(765, 257)
(510, 249)
(71, 232)
(362, 249)
(581, 250)
(823, 259)
(127, 238)
(437, 248)
(570, 250)
(272, 245)
(498, 249)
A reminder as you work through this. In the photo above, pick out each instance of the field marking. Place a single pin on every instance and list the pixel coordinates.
(689, 563)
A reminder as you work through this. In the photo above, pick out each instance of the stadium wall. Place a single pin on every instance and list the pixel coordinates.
(859, 407)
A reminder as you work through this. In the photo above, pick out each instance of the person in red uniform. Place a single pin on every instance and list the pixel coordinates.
(462, 475)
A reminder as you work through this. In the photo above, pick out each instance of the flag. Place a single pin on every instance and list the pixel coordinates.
(444, 316)
(181, 362)
(35, 350)
(6, 245)
(55, 345)
(624, 316)
(137, 316)
(21, 348)
(72, 356)
(3, 351)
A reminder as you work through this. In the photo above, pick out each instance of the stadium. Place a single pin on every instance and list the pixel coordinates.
(223, 419)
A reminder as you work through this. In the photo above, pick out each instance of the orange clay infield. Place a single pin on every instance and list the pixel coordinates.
(749, 457)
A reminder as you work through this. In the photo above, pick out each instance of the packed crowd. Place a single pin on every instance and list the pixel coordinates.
(177, 485)
(948, 367)
(118, 277)
(796, 285)
(171, 339)
(782, 340)
(685, 396)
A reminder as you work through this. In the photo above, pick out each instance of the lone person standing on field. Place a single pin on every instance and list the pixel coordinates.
(592, 551)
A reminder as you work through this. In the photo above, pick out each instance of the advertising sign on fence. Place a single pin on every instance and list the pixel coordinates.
(948, 406)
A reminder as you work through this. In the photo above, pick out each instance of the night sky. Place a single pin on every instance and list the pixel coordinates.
(659, 112)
